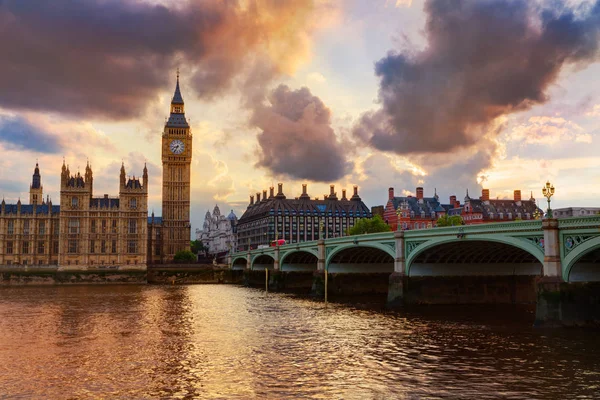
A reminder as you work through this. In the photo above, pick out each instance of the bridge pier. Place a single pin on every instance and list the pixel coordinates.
(561, 303)
(318, 286)
(397, 279)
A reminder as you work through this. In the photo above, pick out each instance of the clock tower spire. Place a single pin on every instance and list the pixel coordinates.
(176, 161)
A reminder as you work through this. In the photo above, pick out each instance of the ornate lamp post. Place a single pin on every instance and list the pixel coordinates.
(548, 191)
(398, 213)
(321, 225)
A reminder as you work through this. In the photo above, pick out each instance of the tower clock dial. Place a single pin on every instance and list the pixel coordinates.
(177, 146)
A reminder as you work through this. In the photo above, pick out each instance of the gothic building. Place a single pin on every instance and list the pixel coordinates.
(116, 231)
(299, 219)
(219, 232)
(85, 232)
(172, 232)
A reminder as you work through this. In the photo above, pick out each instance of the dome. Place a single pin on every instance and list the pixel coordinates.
(231, 216)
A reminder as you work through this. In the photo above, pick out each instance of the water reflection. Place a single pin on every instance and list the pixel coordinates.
(231, 342)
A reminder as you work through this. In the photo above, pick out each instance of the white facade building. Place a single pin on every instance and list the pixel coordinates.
(218, 233)
(575, 212)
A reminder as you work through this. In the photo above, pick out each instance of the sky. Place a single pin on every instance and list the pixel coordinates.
(451, 95)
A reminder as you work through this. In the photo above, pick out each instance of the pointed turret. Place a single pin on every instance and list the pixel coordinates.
(177, 118)
(145, 176)
(36, 190)
(122, 176)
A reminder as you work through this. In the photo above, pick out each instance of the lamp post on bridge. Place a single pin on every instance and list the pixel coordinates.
(548, 192)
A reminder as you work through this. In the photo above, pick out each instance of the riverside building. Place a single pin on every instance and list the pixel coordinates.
(300, 219)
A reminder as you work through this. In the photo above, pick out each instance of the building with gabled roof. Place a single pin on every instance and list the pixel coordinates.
(299, 219)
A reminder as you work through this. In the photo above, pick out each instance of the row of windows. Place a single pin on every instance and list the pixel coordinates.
(28, 228)
(28, 247)
(103, 228)
(102, 246)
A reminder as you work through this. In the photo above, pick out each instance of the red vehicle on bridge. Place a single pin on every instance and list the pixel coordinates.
(278, 242)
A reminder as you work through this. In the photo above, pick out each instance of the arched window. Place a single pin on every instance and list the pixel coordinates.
(133, 203)
(74, 202)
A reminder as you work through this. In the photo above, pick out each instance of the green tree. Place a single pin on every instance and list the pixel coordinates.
(369, 225)
(197, 246)
(450, 220)
(185, 256)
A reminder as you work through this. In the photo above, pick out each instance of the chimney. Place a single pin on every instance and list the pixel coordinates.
(251, 200)
(391, 193)
(304, 188)
(279, 189)
(331, 190)
(517, 195)
(355, 197)
(355, 190)
(304, 194)
(271, 192)
(452, 200)
(419, 193)
(258, 197)
(344, 194)
(485, 194)
(264, 195)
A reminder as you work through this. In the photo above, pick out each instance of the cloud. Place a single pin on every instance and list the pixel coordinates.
(316, 77)
(16, 133)
(296, 138)
(549, 131)
(483, 60)
(594, 111)
(109, 58)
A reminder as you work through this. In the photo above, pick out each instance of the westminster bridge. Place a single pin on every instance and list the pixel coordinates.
(554, 263)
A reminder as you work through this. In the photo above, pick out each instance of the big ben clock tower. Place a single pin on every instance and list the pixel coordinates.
(176, 160)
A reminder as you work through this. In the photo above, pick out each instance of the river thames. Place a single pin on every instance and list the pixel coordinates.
(228, 342)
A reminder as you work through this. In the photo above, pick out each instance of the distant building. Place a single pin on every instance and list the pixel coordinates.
(378, 210)
(419, 212)
(575, 212)
(218, 233)
(299, 219)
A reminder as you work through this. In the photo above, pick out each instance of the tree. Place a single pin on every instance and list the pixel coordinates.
(450, 220)
(185, 256)
(369, 225)
(197, 246)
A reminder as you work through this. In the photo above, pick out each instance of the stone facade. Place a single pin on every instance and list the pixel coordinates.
(219, 231)
(85, 232)
(298, 220)
(575, 212)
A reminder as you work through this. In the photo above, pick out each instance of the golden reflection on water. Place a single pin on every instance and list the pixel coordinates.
(231, 342)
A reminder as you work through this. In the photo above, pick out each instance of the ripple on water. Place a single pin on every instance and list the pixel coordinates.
(231, 342)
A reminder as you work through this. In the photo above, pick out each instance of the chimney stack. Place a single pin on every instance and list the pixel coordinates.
(272, 192)
(304, 188)
(264, 195)
(258, 197)
(517, 195)
(485, 194)
(331, 190)
(391, 193)
(419, 193)
(279, 189)
(344, 194)
(251, 200)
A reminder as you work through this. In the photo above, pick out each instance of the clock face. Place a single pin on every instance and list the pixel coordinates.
(177, 146)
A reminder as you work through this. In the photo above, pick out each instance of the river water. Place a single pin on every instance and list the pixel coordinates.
(227, 342)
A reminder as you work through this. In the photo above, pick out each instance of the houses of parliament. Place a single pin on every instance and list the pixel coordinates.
(85, 231)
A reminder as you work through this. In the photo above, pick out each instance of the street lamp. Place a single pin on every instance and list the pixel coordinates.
(398, 213)
(548, 191)
(321, 224)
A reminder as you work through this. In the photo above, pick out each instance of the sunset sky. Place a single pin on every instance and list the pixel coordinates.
(446, 94)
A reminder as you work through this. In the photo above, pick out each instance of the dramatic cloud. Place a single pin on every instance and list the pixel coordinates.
(484, 59)
(17, 133)
(297, 139)
(109, 58)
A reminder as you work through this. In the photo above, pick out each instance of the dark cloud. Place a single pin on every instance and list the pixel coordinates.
(108, 58)
(297, 139)
(16, 133)
(484, 59)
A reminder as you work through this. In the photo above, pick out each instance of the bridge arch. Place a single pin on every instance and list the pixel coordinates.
(262, 261)
(363, 257)
(299, 260)
(582, 264)
(239, 263)
(469, 255)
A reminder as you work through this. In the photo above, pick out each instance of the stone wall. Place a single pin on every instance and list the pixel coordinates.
(182, 274)
(52, 276)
